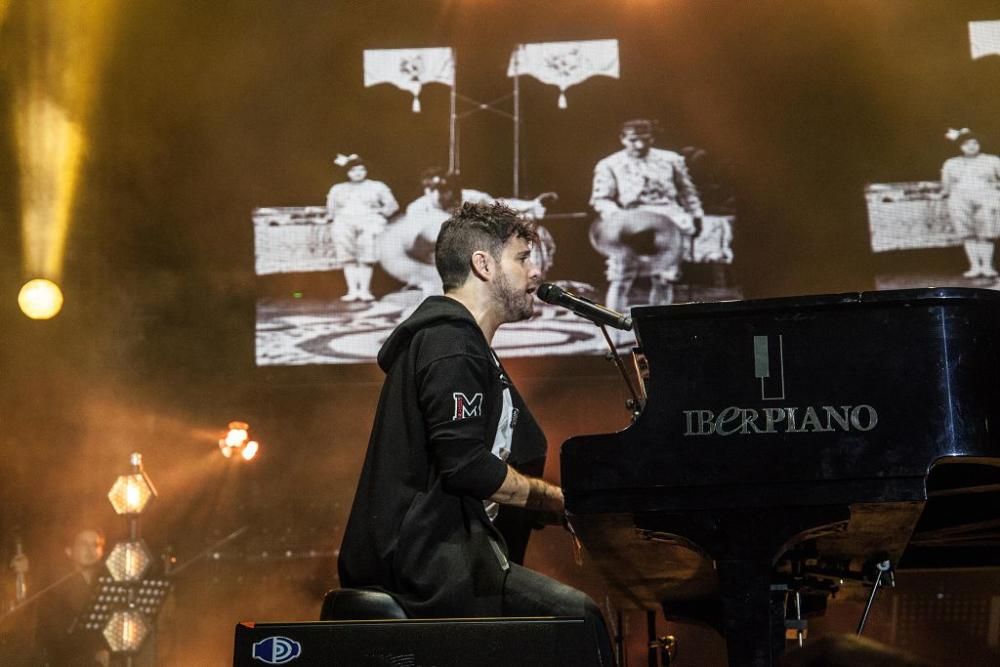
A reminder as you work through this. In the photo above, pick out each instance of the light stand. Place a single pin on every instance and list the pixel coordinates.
(125, 605)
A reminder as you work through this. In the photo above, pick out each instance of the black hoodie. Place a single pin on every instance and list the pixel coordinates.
(418, 528)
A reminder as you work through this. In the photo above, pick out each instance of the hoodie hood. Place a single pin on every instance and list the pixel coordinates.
(434, 309)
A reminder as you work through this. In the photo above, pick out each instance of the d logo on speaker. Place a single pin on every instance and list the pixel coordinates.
(276, 650)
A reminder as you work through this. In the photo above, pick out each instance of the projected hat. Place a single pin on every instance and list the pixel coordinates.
(643, 127)
(348, 161)
(960, 136)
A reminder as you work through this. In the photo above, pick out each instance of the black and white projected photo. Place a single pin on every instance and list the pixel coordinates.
(956, 210)
(630, 210)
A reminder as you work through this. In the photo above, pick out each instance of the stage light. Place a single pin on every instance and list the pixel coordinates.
(40, 299)
(54, 76)
(131, 493)
(237, 442)
(129, 561)
(250, 450)
(51, 147)
(125, 631)
(126, 604)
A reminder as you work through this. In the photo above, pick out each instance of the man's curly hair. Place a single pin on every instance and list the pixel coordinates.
(473, 227)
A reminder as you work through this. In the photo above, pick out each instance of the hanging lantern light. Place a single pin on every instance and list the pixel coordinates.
(132, 492)
(125, 631)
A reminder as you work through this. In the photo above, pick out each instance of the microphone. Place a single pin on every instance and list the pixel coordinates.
(585, 308)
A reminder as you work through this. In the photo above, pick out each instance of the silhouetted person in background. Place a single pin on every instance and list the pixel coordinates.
(17, 614)
(60, 639)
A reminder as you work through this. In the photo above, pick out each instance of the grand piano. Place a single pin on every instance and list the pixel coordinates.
(789, 449)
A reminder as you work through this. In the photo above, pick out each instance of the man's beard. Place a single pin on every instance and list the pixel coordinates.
(516, 305)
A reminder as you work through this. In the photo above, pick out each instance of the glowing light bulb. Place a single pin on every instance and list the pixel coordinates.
(250, 450)
(40, 299)
(133, 495)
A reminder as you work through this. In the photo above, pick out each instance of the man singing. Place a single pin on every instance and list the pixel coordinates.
(450, 434)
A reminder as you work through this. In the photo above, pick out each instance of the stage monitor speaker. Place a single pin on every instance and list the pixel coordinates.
(488, 642)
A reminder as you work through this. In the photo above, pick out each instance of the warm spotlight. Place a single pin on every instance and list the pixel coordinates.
(131, 493)
(237, 442)
(126, 631)
(40, 299)
(55, 73)
(129, 561)
(250, 450)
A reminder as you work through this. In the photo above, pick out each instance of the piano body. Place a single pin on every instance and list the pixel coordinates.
(786, 447)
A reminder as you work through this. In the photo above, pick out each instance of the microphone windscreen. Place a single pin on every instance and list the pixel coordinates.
(549, 293)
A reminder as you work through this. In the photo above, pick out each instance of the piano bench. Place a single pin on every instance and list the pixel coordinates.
(359, 604)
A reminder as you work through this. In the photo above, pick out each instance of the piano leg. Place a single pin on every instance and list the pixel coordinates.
(753, 617)
(661, 650)
(620, 647)
(653, 658)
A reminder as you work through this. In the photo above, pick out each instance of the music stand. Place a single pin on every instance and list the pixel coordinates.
(145, 597)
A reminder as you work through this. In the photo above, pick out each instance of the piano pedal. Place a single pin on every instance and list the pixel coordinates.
(796, 627)
(796, 630)
(665, 647)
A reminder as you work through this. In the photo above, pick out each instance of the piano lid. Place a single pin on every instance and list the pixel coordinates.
(766, 401)
(812, 301)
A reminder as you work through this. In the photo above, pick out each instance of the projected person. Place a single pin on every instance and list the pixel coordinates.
(408, 245)
(60, 639)
(971, 182)
(359, 208)
(450, 440)
(647, 206)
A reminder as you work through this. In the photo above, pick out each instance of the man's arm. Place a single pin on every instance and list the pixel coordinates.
(687, 193)
(604, 190)
(529, 492)
(454, 399)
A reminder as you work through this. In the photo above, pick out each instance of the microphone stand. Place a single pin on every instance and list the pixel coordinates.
(633, 404)
(31, 598)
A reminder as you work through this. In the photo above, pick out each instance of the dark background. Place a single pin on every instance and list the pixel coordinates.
(209, 109)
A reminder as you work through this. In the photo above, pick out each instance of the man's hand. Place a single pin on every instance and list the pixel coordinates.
(530, 493)
(606, 207)
(544, 497)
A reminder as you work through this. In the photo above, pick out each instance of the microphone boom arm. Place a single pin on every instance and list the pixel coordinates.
(634, 404)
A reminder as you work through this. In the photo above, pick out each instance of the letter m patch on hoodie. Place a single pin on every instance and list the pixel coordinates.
(467, 406)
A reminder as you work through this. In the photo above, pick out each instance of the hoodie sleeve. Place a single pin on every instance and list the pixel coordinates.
(454, 398)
